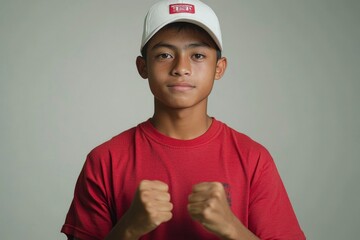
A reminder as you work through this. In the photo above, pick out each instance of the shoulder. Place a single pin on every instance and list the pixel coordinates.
(242, 140)
(251, 153)
(113, 149)
(120, 141)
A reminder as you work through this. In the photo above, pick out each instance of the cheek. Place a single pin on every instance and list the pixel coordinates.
(206, 72)
(156, 84)
(158, 71)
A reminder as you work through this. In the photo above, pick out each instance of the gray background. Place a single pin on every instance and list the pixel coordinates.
(68, 82)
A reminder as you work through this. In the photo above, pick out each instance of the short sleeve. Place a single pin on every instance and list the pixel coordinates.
(89, 217)
(271, 215)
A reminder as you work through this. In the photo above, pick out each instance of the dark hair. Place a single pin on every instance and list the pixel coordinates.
(183, 26)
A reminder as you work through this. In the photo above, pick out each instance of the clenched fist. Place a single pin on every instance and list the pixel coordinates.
(208, 205)
(150, 207)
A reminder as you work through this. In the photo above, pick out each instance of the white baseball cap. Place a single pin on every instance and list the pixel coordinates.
(191, 11)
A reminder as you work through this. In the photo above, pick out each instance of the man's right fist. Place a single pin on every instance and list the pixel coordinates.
(150, 207)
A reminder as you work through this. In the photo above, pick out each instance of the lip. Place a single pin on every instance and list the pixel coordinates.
(181, 86)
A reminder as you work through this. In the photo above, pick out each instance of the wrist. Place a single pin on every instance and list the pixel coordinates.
(130, 234)
(124, 230)
(231, 234)
(238, 231)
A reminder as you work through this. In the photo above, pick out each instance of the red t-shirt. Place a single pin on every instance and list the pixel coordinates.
(113, 171)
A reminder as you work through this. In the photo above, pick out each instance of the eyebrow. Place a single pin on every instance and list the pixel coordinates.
(173, 47)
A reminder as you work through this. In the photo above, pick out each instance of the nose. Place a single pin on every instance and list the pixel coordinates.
(182, 66)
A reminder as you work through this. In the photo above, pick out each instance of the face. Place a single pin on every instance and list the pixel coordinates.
(181, 67)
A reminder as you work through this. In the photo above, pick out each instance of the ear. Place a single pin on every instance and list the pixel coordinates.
(141, 67)
(220, 68)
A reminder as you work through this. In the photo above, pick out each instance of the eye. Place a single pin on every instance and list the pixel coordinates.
(164, 56)
(198, 56)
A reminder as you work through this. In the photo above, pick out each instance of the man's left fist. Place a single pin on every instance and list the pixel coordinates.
(208, 205)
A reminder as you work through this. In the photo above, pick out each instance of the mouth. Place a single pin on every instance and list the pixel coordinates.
(180, 87)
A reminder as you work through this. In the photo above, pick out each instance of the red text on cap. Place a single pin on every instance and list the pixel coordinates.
(181, 8)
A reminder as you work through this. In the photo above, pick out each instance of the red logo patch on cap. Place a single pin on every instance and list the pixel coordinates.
(181, 8)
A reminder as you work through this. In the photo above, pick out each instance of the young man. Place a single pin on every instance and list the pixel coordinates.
(181, 174)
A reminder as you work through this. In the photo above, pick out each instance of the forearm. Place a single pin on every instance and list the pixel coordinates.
(123, 231)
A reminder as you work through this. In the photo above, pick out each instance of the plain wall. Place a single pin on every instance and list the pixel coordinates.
(68, 82)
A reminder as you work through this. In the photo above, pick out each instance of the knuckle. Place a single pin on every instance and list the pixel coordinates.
(211, 204)
(168, 197)
(217, 185)
(164, 186)
(158, 218)
(149, 206)
(153, 215)
(163, 196)
(144, 195)
(168, 216)
(143, 184)
(207, 213)
(217, 194)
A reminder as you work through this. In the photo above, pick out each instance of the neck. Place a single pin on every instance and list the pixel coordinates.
(184, 124)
